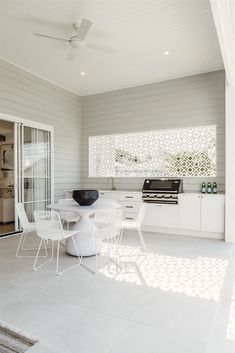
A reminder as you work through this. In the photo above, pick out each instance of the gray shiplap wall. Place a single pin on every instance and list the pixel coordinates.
(192, 101)
(27, 96)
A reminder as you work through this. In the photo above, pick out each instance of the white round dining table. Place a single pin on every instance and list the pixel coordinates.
(87, 246)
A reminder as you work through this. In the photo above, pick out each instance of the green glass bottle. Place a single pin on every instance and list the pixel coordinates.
(209, 188)
(203, 188)
(214, 188)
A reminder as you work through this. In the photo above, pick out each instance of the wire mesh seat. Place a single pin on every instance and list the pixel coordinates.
(135, 225)
(68, 216)
(107, 227)
(49, 227)
(27, 227)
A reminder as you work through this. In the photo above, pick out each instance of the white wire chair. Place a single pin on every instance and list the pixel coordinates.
(27, 228)
(135, 225)
(49, 227)
(107, 227)
(68, 216)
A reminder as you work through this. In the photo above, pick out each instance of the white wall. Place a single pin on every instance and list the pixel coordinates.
(230, 165)
(29, 97)
(191, 101)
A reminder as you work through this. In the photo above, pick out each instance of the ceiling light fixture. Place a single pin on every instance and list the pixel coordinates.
(166, 52)
(83, 73)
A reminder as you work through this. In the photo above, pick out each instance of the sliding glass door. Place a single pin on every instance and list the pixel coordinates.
(34, 168)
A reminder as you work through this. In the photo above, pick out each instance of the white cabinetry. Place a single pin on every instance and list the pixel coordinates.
(190, 210)
(212, 213)
(195, 215)
(152, 215)
(129, 200)
(169, 216)
(203, 213)
(163, 216)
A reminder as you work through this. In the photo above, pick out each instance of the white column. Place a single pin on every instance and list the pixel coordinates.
(230, 165)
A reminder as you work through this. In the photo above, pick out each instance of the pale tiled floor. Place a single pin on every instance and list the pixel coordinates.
(168, 302)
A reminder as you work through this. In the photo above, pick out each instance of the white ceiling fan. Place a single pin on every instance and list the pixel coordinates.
(77, 39)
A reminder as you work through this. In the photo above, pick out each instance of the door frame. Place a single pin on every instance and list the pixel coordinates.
(33, 124)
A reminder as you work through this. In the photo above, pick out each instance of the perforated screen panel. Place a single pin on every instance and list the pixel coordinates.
(185, 152)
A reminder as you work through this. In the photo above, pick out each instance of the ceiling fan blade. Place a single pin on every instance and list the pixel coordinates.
(72, 54)
(51, 37)
(84, 28)
(100, 48)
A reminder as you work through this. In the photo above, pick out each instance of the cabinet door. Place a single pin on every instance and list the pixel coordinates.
(190, 209)
(169, 216)
(152, 215)
(130, 196)
(108, 195)
(212, 213)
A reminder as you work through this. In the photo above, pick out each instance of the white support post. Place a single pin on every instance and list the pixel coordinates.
(230, 165)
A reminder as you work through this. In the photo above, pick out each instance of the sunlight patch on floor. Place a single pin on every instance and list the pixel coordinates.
(200, 277)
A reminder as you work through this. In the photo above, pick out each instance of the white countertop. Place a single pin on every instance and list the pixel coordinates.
(121, 191)
(182, 193)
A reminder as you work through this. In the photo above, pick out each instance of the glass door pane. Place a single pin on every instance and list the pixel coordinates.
(36, 169)
(7, 172)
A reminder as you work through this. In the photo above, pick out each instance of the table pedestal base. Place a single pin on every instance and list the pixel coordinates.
(87, 246)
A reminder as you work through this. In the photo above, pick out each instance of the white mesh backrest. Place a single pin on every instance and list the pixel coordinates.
(24, 222)
(107, 224)
(141, 214)
(48, 225)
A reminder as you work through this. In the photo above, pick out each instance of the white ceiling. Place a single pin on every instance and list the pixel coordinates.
(139, 31)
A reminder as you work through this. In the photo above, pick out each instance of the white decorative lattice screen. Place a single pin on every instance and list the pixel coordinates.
(186, 152)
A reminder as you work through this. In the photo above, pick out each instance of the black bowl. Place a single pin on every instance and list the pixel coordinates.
(85, 197)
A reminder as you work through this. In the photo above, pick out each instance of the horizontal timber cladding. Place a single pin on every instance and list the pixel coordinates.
(186, 102)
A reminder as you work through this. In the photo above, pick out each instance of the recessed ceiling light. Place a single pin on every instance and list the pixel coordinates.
(166, 52)
(83, 73)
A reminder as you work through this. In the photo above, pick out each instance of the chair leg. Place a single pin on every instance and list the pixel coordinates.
(23, 239)
(112, 244)
(116, 244)
(142, 239)
(35, 267)
(45, 247)
(120, 236)
(21, 248)
(57, 258)
(58, 255)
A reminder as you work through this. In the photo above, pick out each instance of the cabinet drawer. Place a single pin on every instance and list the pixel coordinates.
(122, 196)
(131, 197)
(107, 195)
(131, 206)
(128, 216)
